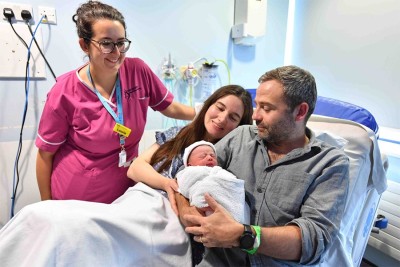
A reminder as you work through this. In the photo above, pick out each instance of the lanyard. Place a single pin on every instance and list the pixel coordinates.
(118, 118)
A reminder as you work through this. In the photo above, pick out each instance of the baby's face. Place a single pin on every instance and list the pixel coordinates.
(202, 156)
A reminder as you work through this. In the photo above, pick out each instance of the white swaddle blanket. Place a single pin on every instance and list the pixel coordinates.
(223, 186)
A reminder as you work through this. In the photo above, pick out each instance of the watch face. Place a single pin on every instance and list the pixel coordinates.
(247, 241)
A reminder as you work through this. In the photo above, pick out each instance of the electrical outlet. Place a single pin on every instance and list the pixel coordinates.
(49, 14)
(16, 8)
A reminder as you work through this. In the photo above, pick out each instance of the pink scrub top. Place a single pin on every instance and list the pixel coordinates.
(76, 126)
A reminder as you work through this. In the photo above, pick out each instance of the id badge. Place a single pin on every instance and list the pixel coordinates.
(122, 158)
(122, 130)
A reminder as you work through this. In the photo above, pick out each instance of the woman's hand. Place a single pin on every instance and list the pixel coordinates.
(171, 187)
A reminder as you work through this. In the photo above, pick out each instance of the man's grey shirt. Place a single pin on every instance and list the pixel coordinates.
(308, 188)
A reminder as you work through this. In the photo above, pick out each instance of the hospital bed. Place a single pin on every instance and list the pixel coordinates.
(354, 130)
(357, 138)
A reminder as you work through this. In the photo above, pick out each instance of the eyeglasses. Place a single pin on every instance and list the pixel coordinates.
(108, 46)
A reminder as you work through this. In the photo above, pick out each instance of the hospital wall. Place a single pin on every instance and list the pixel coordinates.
(351, 47)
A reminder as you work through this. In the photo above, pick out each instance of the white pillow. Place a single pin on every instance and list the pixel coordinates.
(330, 138)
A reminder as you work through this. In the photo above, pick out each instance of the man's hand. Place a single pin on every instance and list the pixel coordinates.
(217, 230)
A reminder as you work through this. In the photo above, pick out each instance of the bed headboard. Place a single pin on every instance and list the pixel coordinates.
(335, 108)
(343, 110)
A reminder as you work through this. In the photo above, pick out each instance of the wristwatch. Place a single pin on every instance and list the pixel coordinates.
(246, 240)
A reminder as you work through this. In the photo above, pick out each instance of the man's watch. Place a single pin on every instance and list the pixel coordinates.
(246, 240)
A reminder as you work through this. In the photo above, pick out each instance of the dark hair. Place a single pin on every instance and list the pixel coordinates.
(88, 13)
(298, 86)
(196, 130)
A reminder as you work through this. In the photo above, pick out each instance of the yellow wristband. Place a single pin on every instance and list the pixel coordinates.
(257, 241)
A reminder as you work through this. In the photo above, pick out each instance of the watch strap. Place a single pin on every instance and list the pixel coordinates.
(247, 228)
(257, 242)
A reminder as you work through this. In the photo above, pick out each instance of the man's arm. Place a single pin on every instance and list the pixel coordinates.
(283, 242)
(221, 230)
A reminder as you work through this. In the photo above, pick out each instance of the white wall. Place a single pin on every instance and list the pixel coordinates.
(352, 48)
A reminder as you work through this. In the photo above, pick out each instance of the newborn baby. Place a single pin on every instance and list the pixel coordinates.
(202, 175)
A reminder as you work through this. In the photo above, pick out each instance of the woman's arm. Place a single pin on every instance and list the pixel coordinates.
(44, 167)
(184, 208)
(141, 171)
(179, 111)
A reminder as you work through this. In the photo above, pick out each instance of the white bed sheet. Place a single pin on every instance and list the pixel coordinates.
(138, 229)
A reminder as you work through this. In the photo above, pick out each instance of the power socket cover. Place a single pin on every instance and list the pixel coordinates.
(17, 9)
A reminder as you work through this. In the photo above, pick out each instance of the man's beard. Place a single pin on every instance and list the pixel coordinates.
(278, 132)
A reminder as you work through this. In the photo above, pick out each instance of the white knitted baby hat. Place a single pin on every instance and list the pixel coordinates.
(189, 149)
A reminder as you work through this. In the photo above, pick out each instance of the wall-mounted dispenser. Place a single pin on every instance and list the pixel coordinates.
(249, 22)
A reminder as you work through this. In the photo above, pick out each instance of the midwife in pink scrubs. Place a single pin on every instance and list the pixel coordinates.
(94, 116)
